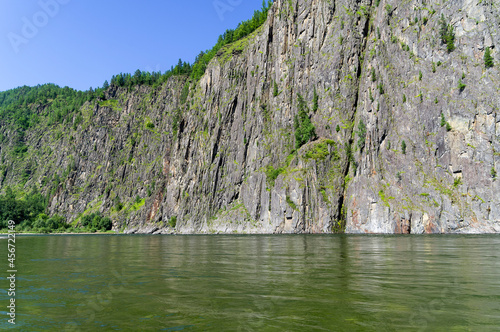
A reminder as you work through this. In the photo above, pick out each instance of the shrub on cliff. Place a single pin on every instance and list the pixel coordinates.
(315, 101)
(304, 129)
(461, 85)
(172, 221)
(447, 34)
(488, 59)
(275, 90)
(361, 134)
(272, 174)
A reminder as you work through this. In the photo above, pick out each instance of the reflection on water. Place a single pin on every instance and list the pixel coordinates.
(256, 283)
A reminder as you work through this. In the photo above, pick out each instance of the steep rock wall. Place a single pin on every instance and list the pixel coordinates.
(444, 182)
(219, 155)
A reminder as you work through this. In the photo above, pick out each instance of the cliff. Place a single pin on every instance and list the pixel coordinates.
(407, 131)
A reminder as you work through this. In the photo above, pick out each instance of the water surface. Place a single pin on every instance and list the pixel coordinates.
(255, 283)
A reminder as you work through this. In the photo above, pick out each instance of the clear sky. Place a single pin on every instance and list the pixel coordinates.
(82, 43)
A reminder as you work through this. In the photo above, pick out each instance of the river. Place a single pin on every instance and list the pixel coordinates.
(254, 283)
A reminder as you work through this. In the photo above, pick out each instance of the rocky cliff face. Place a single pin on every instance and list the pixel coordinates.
(445, 181)
(219, 155)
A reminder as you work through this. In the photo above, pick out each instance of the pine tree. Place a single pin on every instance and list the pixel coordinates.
(315, 101)
(488, 59)
(275, 90)
(304, 129)
(447, 34)
(137, 77)
(443, 28)
(120, 80)
(461, 86)
(361, 134)
(450, 39)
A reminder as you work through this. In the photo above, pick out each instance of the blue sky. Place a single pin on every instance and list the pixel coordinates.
(82, 43)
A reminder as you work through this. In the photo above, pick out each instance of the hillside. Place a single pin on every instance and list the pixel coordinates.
(332, 116)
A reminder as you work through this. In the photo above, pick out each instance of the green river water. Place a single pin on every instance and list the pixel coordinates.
(254, 283)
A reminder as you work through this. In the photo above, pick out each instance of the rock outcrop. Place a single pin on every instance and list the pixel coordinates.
(400, 147)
